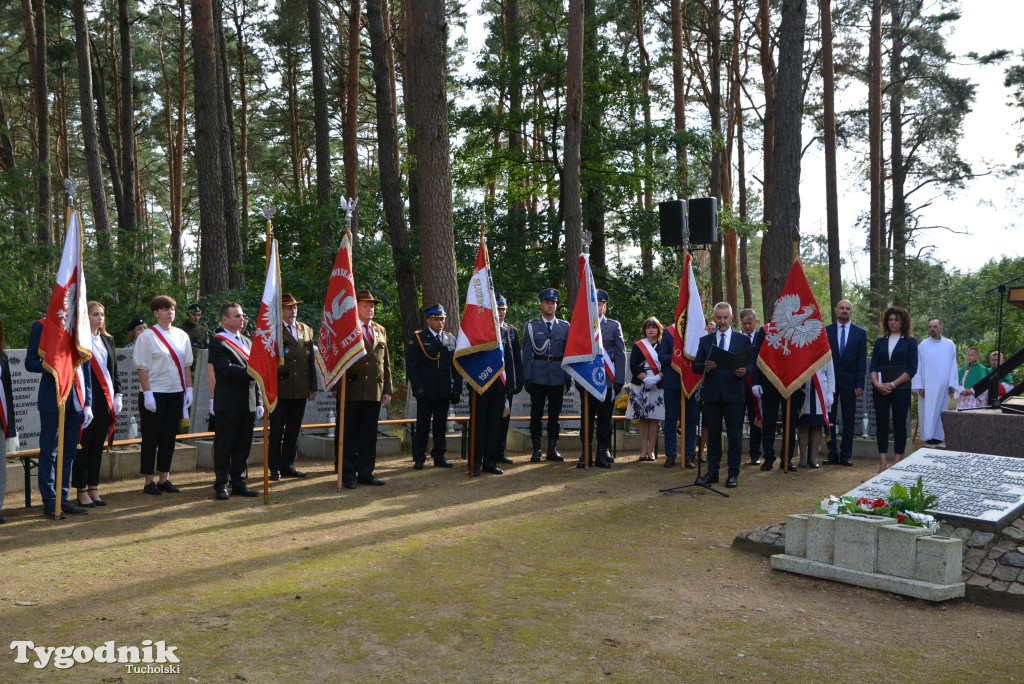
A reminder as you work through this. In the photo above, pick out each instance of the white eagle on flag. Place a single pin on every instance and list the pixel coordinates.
(792, 324)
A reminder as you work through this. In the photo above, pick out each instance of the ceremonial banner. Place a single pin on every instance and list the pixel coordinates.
(66, 326)
(583, 359)
(341, 341)
(689, 328)
(795, 345)
(479, 356)
(266, 352)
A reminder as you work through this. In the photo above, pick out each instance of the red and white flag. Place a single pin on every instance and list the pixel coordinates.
(689, 328)
(265, 355)
(341, 341)
(66, 340)
(795, 345)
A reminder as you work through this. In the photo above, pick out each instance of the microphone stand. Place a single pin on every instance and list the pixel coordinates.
(698, 447)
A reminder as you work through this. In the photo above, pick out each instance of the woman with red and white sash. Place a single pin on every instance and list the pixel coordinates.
(162, 357)
(106, 404)
(646, 390)
(819, 394)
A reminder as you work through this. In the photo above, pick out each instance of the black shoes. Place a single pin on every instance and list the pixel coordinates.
(89, 504)
(581, 463)
(292, 472)
(222, 493)
(51, 512)
(831, 461)
(443, 463)
(72, 509)
(275, 475)
(846, 462)
(706, 479)
(602, 463)
(755, 461)
(418, 465)
(731, 482)
(553, 454)
(372, 481)
(166, 486)
(504, 459)
(241, 489)
(493, 469)
(813, 465)
(670, 462)
(152, 488)
(768, 465)
(537, 454)
(348, 484)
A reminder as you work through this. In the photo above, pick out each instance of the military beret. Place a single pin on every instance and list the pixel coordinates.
(196, 307)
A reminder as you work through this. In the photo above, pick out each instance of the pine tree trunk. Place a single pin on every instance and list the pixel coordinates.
(322, 128)
(44, 231)
(572, 210)
(835, 276)
(741, 164)
(678, 99)
(243, 111)
(351, 130)
(591, 155)
(127, 120)
(106, 140)
(876, 239)
(898, 217)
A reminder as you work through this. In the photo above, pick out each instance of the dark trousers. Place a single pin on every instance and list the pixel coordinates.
(898, 405)
(755, 429)
(486, 421)
(285, 426)
(503, 433)
(673, 399)
(359, 456)
(47, 464)
(846, 398)
(430, 413)
(86, 472)
(732, 413)
(159, 429)
(538, 395)
(773, 412)
(598, 417)
(231, 444)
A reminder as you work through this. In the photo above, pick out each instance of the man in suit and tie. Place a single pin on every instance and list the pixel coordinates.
(543, 348)
(367, 388)
(514, 373)
(236, 403)
(749, 326)
(849, 345)
(77, 416)
(723, 396)
(435, 383)
(296, 384)
(600, 412)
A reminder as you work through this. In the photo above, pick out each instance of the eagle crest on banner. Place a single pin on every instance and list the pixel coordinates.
(792, 324)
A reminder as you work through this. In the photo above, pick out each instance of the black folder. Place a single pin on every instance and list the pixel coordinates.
(728, 362)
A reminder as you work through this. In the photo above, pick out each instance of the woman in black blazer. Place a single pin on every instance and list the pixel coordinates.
(106, 404)
(893, 364)
(9, 429)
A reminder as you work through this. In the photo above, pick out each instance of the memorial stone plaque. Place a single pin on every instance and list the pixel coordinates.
(26, 408)
(130, 389)
(976, 490)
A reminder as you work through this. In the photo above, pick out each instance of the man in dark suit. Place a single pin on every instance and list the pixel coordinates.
(296, 384)
(599, 419)
(724, 396)
(435, 383)
(543, 347)
(849, 344)
(749, 326)
(773, 408)
(77, 416)
(236, 403)
(513, 372)
(368, 387)
(674, 403)
(486, 424)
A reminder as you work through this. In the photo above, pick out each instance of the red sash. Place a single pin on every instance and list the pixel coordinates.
(757, 401)
(177, 362)
(234, 345)
(648, 351)
(108, 392)
(821, 399)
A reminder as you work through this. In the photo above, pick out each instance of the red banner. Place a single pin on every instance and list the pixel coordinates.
(265, 355)
(341, 341)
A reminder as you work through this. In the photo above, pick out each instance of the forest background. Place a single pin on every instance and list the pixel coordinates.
(184, 119)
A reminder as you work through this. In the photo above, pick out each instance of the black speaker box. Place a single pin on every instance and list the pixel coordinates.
(703, 220)
(672, 219)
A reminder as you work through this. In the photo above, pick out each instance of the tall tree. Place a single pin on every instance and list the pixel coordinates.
(35, 31)
(572, 209)
(127, 120)
(741, 163)
(229, 188)
(835, 277)
(351, 130)
(876, 237)
(322, 127)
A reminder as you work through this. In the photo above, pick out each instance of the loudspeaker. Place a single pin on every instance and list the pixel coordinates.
(703, 220)
(672, 219)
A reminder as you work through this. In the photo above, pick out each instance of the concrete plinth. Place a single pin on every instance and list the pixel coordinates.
(123, 462)
(820, 537)
(204, 453)
(796, 535)
(855, 541)
(939, 559)
(908, 587)
(321, 447)
(897, 549)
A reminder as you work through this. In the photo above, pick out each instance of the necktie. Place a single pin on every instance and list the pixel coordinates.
(367, 335)
(721, 340)
(842, 339)
(549, 327)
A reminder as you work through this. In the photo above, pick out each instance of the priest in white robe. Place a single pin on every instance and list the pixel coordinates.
(935, 382)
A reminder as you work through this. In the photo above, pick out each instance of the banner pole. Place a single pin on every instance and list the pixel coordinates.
(59, 483)
(266, 458)
(681, 442)
(585, 424)
(472, 433)
(785, 439)
(339, 428)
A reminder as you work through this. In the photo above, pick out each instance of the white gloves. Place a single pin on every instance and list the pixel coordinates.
(828, 401)
(211, 407)
(86, 416)
(756, 391)
(188, 397)
(259, 413)
(149, 401)
(652, 380)
(118, 403)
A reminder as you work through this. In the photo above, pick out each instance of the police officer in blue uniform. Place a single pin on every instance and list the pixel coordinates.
(513, 371)
(543, 348)
(435, 383)
(600, 412)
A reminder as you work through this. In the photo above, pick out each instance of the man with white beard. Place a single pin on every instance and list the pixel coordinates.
(935, 381)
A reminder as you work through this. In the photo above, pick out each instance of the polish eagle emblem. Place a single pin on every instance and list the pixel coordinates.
(792, 325)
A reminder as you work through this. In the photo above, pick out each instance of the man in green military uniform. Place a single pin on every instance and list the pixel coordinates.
(435, 383)
(296, 384)
(367, 388)
(198, 335)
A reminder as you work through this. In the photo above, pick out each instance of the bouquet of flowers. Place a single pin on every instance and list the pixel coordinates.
(907, 506)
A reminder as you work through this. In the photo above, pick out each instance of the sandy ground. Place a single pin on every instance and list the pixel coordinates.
(546, 573)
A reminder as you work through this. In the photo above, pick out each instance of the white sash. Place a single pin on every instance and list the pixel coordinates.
(651, 354)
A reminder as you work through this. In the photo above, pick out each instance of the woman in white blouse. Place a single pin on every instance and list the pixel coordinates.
(814, 413)
(162, 356)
